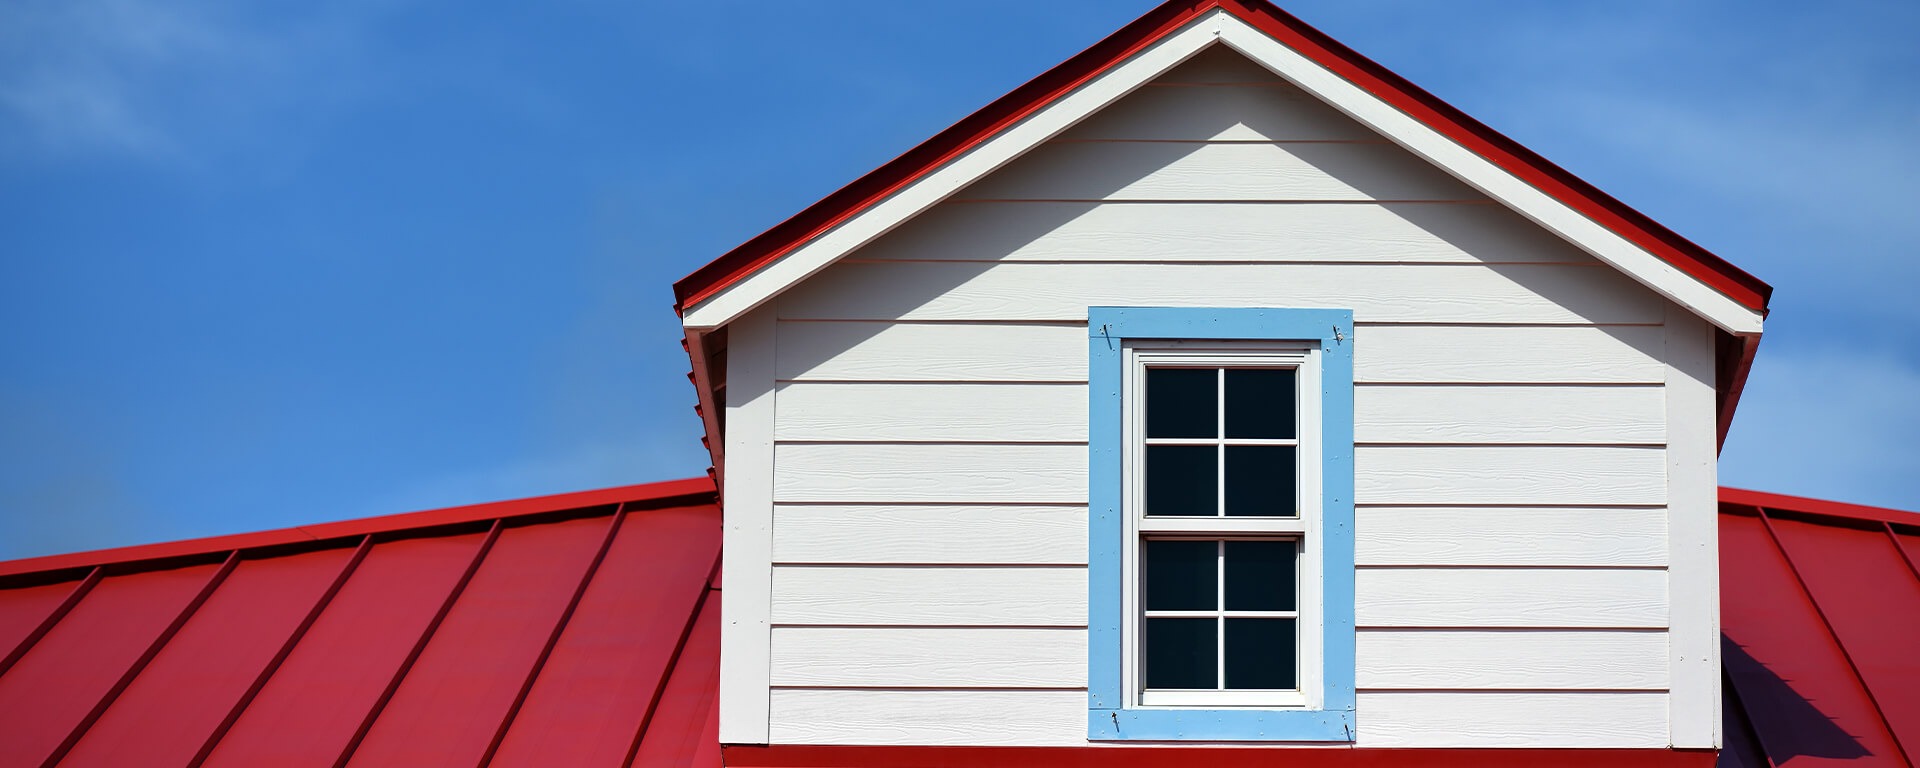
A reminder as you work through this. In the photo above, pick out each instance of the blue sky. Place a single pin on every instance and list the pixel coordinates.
(264, 264)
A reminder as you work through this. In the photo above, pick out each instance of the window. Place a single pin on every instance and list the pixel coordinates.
(1220, 553)
(1213, 504)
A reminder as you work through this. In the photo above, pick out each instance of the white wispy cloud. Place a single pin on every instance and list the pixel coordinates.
(166, 80)
(85, 74)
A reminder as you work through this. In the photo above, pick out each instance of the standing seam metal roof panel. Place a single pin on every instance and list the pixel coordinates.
(538, 631)
(1820, 614)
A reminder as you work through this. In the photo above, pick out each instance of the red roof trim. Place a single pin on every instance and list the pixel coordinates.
(1800, 505)
(1221, 757)
(1509, 155)
(697, 490)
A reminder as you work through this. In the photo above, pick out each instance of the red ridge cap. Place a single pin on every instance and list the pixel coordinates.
(1779, 502)
(1036, 94)
(698, 490)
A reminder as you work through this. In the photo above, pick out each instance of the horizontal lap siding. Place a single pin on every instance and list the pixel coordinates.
(929, 657)
(1057, 474)
(1040, 657)
(1029, 231)
(1266, 171)
(1590, 720)
(1510, 536)
(930, 595)
(955, 534)
(1220, 114)
(939, 473)
(1510, 414)
(1377, 293)
(1395, 474)
(1451, 659)
(937, 412)
(930, 717)
(1568, 720)
(922, 352)
(1384, 354)
(1511, 597)
(930, 453)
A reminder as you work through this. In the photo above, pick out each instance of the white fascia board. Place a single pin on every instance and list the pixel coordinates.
(1481, 173)
(749, 292)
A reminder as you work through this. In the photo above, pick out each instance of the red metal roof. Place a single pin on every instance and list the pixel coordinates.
(1820, 619)
(1170, 16)
(583, 629)
(576, 630)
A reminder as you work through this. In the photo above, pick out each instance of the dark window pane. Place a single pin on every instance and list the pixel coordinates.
(1182, 575)
(1260, 403)
(1260, 575)
(1181, 654)
(1181, 402)
(1260, 481)
(1181, 480)
(1261, 654)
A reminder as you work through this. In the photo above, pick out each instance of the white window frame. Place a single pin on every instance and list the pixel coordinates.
(1305, 359)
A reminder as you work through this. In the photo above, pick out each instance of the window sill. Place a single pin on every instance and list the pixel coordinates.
(1336, 726)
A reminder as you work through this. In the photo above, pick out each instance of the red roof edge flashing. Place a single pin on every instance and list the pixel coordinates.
(1826, 511)
(976, 128)
(657, 495)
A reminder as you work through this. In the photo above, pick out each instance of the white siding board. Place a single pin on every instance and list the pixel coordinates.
(1470, 475)
(1245, 113)
(934, 657)
(1510, 597)
(932, 412)
(1190, 171)
(928, 352)
(1049, 292)
(1495, 660)
(930, 718)
(1223, 232)
(1495, 355)
(935, 596)
(1508, 414)
(935, 472)
(946, 534)
(1583, 720)
(1692, 459)
(747, 533)
(1507, 536)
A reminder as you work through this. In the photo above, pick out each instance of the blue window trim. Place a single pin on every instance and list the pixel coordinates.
(1107, 717)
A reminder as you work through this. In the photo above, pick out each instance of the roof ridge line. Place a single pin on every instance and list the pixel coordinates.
(655, 495)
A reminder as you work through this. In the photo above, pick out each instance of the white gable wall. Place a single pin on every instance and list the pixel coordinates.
(926, 456)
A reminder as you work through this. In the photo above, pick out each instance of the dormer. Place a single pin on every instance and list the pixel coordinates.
(1219, 387)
